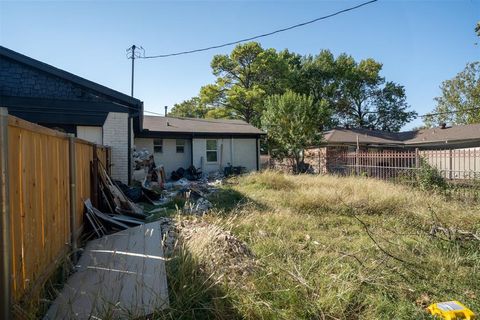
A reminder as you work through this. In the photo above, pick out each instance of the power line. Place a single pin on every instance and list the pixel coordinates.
(447, 112)
(261, 35)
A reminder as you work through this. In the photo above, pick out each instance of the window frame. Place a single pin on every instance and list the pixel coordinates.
(207, 151)
(157, 145)
(182, 145)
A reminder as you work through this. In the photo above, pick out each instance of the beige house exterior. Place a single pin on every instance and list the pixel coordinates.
(208, 144)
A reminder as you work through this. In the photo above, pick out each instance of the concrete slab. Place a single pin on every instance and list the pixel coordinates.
(119, 276)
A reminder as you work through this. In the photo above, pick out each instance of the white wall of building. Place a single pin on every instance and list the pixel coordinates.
(92, 134)
(236, 151)
(169, 157)
(115, 135)
(143, 143)
(245, 153)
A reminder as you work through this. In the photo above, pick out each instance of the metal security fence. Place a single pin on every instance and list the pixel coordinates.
(458, 164)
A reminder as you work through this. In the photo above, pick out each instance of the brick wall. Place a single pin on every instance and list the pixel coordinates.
(115, 135)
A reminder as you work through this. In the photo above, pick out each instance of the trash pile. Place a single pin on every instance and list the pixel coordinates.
(118, 207)
(191, 173)
(118, 202)
(141, 158)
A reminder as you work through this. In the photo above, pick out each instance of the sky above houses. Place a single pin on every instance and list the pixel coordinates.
(420, 43)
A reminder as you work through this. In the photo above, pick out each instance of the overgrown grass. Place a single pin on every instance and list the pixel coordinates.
(330, 248)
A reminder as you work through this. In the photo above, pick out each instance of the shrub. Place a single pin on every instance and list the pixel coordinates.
(430, 178)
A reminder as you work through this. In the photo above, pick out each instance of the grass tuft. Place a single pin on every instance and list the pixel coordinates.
(323, 248)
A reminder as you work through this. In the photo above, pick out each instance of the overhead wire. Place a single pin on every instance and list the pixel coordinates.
(260, 35)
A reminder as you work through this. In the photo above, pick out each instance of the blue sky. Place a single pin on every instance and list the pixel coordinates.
(420, 43)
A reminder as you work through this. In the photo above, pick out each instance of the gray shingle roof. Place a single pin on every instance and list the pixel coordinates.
(422, 136)
(192, 125)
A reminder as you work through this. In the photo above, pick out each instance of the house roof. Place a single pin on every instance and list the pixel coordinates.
(449, 134)
(365, 136)
(13, 55)
(199, 126)
(436, 135)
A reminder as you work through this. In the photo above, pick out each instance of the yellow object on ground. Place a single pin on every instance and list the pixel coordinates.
(451, 310)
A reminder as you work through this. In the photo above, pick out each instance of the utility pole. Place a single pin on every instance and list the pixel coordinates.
(133, 67)
(134, 52)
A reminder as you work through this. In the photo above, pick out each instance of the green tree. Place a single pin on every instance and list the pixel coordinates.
(219, 113)
(366, 100)
(460, 99)
(192, 108)
(292, 122)
(245, 78)
(319, 77)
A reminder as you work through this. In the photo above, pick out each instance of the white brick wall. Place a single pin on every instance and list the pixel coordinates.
(115, 135)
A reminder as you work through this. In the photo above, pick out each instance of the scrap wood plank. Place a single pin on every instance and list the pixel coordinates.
(121, 276)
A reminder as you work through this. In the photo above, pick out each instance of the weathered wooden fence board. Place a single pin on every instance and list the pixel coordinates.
(39, 199)
(38, 182)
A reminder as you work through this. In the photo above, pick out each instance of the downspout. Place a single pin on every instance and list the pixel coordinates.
(257, 155)
(191, 149)
(231, 151)
(129, 154)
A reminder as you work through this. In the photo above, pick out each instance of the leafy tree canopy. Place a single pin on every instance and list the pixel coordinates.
(460, 99)
(245, 78)
(354, 92)
(365, 100)
(192, 108)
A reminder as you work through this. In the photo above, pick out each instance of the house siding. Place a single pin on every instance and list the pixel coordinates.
(169, 158)
(92, 134)
(115, 135)
(234, 151)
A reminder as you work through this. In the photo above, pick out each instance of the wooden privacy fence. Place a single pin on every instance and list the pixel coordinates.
(47, 175)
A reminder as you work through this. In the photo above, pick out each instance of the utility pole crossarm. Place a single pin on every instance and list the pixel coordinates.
(133, 53)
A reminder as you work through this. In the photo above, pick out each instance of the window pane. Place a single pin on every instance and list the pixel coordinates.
(157, 149)
(211, 156)
(211, 144)
(180, 149)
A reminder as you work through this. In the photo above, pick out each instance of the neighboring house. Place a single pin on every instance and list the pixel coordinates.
(208, 144)
(43, 94)
(454, 150)
(455, 137)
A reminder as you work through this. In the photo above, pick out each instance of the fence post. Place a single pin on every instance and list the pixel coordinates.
(5, 249)
(73, 198)
(95, 177)
(450, 164)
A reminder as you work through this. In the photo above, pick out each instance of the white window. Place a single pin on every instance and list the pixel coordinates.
(212, 153)
(157, 145)
(180, 146)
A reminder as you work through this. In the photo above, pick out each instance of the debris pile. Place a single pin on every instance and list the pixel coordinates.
(115, 199)
(100, 221)
(141, 158)
(191, 173)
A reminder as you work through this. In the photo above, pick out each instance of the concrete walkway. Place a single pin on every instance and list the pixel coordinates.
(119, 276)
